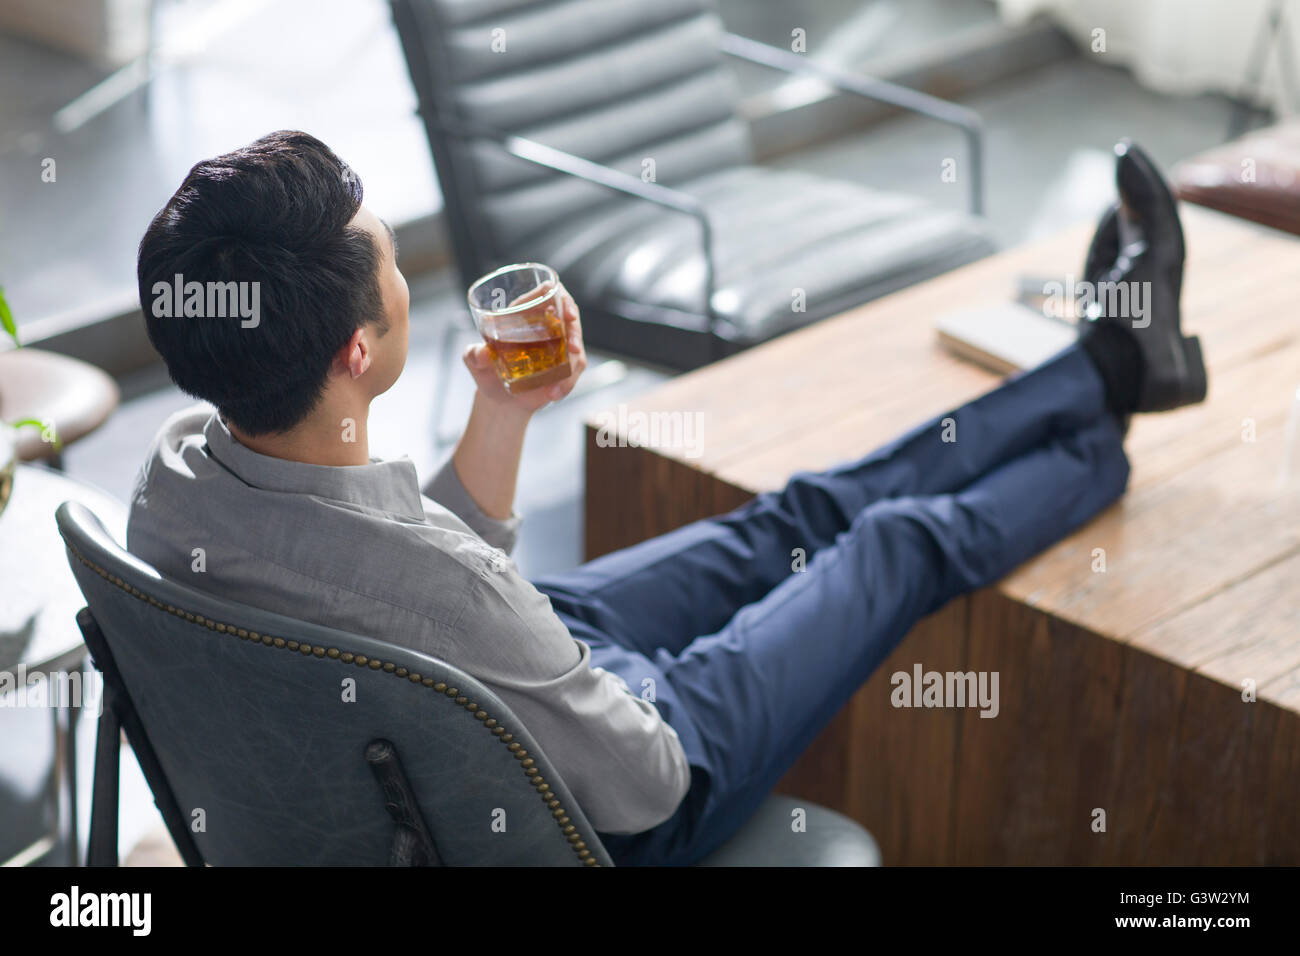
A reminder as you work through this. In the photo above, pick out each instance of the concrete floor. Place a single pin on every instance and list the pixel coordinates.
(1048, 164)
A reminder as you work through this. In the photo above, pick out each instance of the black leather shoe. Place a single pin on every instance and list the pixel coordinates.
(1140, 240)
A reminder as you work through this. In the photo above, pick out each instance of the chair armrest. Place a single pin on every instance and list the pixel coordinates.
(564, 162)
(882, 91)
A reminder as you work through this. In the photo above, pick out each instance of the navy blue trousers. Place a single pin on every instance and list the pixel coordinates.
(750, 658)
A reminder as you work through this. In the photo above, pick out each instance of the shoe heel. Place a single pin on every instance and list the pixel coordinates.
(1197, 384)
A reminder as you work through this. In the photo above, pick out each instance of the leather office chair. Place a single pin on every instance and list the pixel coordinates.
(540, 113)
(259, 750)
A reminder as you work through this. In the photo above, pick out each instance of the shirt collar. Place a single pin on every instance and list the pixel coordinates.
(390, 486)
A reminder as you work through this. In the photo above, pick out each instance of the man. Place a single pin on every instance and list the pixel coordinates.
(740, 660)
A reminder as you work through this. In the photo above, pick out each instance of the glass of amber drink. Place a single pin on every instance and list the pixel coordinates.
(518, 312)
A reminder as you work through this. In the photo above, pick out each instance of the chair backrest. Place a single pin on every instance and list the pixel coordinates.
(260, 724)
(617, 82)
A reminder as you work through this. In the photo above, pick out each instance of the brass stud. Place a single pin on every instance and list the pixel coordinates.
(221, 629)
(333, 652)
(506, 738)
(541, 787)
(413, 678)
(428, 682)
(590, 861)
(574, 838)
(500, 731)
(563, 818)
(451, 692)
(584, 854)
(462, 700)
(402, 672)
(292, 645)
(491, 722)
(482, 715)
(375, 665)
(360, 660)
(305, 648)
(278, 641)
(345, 657)
(580, 846)
(569, 829)
(242, 632)
(268, 640)
(515, 746)
(528, 762)
(390, 667)
(318, 651)
(439, 687)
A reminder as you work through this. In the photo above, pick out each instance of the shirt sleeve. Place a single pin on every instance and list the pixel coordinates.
(631, 772)
(446, 488)
(623, 763)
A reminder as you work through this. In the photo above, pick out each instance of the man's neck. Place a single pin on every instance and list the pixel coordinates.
(324, 438)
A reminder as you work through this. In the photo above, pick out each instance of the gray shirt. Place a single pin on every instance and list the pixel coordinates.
(359, 548)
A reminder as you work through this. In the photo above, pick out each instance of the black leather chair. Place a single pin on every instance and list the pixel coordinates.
(539, 112)
(270, 741)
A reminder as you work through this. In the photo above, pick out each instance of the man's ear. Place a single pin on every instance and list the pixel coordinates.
(355, 355)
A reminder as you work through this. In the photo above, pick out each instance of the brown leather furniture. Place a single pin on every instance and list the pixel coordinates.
(1256, 177)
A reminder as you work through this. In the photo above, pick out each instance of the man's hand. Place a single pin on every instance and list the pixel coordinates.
(487, 456)
(478, 359)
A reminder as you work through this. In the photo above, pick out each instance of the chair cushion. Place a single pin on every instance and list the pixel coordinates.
(774, 232)
(767, 839)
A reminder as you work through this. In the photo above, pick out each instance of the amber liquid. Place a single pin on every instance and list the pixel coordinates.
(528, 348)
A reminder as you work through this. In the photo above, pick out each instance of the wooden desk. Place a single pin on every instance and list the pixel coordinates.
(1120, 691)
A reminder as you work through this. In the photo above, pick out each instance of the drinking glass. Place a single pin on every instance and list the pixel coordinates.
(518, 312)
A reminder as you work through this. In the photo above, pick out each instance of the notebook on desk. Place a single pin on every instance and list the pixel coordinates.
(1006, 337)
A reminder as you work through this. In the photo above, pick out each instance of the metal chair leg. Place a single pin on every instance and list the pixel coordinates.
(102, 849)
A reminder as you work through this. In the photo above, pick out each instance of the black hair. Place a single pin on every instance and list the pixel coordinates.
(275, 213)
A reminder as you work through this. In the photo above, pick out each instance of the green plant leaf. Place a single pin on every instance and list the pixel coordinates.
(37, 423)
(7, 319)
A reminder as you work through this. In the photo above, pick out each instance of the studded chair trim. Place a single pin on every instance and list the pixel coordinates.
(526, 762)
